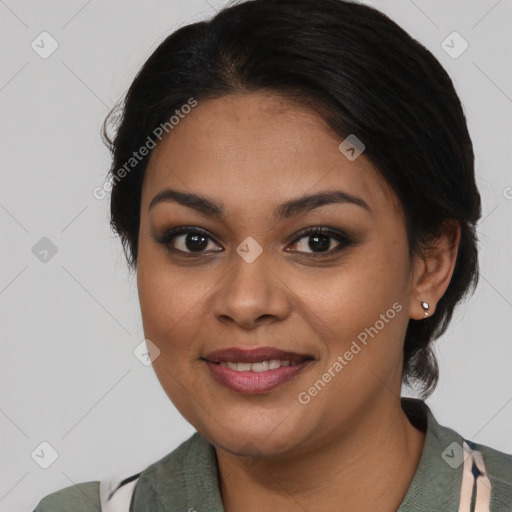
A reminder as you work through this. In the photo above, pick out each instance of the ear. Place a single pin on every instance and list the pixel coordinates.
(434, 269)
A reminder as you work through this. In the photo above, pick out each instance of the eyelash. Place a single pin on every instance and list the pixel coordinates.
(344, 240)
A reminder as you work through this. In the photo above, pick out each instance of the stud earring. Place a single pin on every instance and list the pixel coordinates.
(425, 307)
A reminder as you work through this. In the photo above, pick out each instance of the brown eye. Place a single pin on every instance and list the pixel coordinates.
(187, 240)
(321, 240)
(193, 242)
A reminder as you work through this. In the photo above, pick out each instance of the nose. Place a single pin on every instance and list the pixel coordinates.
(251, 294)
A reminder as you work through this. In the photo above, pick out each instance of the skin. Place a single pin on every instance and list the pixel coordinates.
(351, 444)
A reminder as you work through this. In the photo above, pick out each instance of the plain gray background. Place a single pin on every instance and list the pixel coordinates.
(70, 324)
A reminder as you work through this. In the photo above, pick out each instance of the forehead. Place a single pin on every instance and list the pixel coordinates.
(258, 149)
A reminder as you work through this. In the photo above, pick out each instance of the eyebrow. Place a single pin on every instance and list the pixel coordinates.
(288, 209)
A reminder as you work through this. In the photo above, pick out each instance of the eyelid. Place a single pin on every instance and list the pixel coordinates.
(166, 237)
(320, 229)
(340, 236)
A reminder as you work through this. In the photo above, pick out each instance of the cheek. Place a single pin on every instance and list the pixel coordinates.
(359, 316)
(362, 301)
(170, 301)
(170, 304)
(366, 284)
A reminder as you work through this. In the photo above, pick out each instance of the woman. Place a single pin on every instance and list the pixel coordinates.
(298, 245)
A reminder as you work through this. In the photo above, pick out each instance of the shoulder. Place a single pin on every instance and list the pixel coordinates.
(115, 494)
(459, 467)
(498, 468)
(106, 496)
(499, 464)
(83, 497)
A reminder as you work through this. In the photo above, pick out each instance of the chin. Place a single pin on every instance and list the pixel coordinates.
(252, 441)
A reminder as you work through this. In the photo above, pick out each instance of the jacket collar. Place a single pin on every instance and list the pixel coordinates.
(436, 481)
(188, 479)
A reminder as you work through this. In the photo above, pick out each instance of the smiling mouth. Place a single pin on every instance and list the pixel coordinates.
(253, 371)
(260, 366)
(263, 358)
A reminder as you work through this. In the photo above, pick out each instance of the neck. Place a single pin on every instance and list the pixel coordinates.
(372, 462)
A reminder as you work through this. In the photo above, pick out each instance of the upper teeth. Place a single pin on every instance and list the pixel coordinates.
(261, 366)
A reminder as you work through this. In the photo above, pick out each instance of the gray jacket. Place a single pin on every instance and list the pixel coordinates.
(453, 475)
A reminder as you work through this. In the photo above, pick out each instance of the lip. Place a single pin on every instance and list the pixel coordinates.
(250, 382)
(245, 355)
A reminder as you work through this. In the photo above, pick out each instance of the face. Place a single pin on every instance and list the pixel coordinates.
(245, 261)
